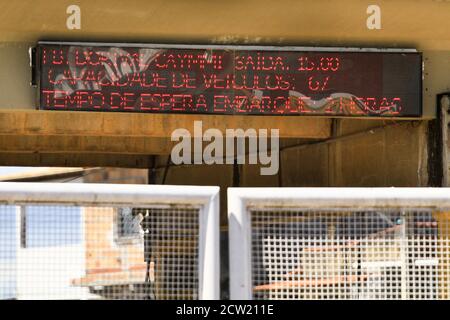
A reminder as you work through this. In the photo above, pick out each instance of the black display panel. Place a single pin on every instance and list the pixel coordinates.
(228, 80)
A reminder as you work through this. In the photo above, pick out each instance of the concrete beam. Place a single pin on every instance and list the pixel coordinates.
(74, 160)
(33, 136)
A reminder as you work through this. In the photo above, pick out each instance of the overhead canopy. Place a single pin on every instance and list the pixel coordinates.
(51, 138)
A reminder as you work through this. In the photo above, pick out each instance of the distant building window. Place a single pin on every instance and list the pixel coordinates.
(128, 224)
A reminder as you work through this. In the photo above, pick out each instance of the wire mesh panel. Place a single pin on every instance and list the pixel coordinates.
(79, 253)
(153, 254)
(309, 249)
(172, 246)
(348, 255)
(8, 252)
(50, 251)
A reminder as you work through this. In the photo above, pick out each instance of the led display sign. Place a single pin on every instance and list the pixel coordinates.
(229, 80)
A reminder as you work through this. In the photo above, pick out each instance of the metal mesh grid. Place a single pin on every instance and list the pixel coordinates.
(341, 254)
(68, 252)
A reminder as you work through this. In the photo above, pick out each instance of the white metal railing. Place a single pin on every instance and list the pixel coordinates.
(108, 241)
(339, 243)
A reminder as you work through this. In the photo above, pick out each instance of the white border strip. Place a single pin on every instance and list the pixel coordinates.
(102, 194)
(239, 246)
(344, 197)
(209, 253)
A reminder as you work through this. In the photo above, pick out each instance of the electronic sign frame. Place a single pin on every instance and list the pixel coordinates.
(230, 80)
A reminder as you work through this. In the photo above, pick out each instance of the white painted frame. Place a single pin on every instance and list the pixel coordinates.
(115, 195)
(240, 200)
